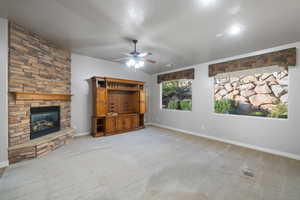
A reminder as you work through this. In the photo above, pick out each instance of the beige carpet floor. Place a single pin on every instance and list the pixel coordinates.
(1, 171)
(152, 164)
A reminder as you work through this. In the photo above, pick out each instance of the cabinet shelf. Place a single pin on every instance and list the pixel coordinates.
(124, 89)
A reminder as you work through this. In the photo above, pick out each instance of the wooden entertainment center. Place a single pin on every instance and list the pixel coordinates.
(118, 105)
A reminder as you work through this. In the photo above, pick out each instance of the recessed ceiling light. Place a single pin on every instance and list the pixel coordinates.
(207, 2)
(235, 29)
(136, 15)
(235, 10)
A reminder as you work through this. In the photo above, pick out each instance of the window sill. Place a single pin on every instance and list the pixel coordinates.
(174, 110)
(248, 116)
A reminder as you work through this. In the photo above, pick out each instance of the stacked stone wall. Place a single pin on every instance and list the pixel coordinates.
(36, 65)
(258, 91)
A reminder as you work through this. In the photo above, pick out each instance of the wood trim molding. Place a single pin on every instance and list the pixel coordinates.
(119, 80)
(27, 96)
(283, 58)
(184, 74)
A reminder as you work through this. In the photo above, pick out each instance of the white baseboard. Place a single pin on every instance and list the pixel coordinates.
(4, 164)
(266, 150)
(82, 134)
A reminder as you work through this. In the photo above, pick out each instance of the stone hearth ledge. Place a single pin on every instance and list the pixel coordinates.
(40, 146)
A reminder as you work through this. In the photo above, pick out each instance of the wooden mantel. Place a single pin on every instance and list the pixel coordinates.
(26, 96)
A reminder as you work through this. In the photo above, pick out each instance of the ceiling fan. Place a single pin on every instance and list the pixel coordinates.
(136, 59)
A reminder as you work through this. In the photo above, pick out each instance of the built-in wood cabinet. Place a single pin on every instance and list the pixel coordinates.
(101, 102)
(142, 102)
(118, 105)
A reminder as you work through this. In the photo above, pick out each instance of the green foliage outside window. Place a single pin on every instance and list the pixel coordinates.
(177, 95)
(279, 111)
(186, 104)
(224, 106)
(173, 104)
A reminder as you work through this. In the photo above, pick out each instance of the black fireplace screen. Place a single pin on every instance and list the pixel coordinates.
(44, 120)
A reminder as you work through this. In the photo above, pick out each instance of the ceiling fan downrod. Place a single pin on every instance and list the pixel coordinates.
(135, 42)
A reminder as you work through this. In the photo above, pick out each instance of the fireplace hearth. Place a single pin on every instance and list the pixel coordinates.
(44, 120)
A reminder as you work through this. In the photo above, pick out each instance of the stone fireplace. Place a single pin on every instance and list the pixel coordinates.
(39, 95)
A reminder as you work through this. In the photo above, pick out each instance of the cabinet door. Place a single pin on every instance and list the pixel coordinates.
(101, 103)
(120, 123)
(128, 122)
(135, 121)
(142, 101)
(110, 124)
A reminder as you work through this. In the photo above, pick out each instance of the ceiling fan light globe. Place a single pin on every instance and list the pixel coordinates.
(136, 66)
(142, 54)
(131, 63)
(141, 63)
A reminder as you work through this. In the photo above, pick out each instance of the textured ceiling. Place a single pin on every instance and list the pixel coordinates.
(181, 32)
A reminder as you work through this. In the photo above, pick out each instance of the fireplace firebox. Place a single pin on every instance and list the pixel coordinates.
(44, 120)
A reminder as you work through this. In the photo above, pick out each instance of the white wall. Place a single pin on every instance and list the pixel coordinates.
(272, 135)
(82, 69)
(3, 92)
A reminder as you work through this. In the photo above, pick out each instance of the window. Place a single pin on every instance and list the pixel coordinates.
(177, 95)
(262, 94)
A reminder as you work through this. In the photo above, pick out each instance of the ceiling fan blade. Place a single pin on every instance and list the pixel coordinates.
(121, 59)
(144, 54)
(149, 60)
(126, 54)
